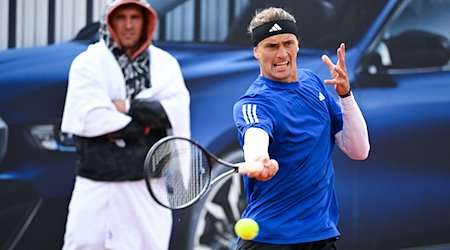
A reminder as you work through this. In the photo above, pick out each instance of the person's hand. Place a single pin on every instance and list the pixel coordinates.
(338, 72)
(270, 168)
(121, 105)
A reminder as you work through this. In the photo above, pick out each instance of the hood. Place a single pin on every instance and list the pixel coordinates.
(151, 19)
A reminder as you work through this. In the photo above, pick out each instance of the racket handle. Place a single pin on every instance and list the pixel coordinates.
(248, 167)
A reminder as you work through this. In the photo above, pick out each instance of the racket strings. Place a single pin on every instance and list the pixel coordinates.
(180, 173)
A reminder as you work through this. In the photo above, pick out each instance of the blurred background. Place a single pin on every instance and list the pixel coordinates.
(28, 23)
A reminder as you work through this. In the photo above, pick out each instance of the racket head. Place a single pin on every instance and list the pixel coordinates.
(177, 172)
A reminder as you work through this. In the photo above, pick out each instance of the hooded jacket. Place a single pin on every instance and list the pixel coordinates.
(112, 145)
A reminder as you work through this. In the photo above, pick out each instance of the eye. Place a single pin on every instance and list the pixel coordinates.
(290, 43)
(136, 17)
(119, 18)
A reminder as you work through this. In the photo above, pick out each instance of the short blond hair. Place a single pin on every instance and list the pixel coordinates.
(267, 15)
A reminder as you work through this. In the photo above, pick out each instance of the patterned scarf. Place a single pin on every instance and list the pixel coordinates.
(136, 72)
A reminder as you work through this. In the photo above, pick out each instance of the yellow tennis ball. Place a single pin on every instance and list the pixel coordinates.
(246, 228)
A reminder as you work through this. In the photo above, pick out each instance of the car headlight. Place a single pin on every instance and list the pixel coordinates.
(3, 138)
(50, 137)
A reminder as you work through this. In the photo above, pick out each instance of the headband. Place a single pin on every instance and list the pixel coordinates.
(273, 28)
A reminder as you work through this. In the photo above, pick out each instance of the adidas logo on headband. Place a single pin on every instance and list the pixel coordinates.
(275, 27)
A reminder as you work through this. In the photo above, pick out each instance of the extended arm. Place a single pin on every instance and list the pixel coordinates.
(256, 143)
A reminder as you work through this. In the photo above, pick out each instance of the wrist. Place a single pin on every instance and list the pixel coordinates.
(349, 93)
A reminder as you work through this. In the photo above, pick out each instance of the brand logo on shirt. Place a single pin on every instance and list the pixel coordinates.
(321, 96)
(275, 27)
(249, 113)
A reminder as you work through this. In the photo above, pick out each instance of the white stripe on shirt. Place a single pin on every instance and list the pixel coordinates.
(244, 113)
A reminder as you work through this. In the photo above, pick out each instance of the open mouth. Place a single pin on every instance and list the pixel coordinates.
(281, 64)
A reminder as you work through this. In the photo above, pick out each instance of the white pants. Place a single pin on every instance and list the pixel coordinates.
(115, 215)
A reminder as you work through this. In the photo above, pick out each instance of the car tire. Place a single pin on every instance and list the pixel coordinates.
(220, 209)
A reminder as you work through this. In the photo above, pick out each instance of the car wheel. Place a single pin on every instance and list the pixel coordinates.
(222, 208)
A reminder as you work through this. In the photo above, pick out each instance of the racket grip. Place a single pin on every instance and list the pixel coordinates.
(248, 167)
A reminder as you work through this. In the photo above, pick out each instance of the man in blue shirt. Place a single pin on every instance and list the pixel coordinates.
(290, 122)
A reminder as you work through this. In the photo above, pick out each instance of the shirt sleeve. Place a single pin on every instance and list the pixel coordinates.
(252, 113)
(353, 140)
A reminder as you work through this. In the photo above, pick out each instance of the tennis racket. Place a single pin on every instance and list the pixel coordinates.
(178, 171)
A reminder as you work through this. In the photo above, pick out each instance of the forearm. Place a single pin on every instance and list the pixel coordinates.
(256, 143)
(353, 139)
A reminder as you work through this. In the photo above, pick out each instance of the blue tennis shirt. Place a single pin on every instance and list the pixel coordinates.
(299, 203)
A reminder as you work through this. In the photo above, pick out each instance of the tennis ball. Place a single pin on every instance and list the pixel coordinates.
(246, 228)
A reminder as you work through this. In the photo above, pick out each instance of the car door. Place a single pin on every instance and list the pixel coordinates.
(400, 196)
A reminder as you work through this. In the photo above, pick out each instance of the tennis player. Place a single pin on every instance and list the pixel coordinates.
(288, 114)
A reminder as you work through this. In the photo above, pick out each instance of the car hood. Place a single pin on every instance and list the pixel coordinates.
(25, 70)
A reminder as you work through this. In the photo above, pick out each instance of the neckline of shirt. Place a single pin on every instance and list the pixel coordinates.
(276, 84)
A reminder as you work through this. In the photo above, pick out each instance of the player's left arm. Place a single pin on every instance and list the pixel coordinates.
(353, 139)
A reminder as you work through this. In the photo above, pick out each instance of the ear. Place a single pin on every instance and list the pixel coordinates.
(255, 52)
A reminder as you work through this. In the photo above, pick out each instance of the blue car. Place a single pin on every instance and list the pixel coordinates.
(398, 60)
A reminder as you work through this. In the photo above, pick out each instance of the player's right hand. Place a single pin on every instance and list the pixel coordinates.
(269, 169)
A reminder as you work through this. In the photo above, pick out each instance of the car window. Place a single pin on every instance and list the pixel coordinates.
(427, 15)
(322, 24)
(417, 37)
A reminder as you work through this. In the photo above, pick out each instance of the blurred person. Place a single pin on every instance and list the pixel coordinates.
(290, 121)
(123, 95)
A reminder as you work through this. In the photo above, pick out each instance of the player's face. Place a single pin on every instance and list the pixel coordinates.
(127, 23)
(277, 57)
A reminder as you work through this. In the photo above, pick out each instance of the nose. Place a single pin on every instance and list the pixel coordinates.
(282, 52)
(128, 23)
